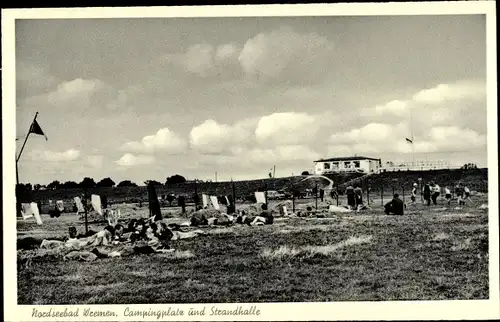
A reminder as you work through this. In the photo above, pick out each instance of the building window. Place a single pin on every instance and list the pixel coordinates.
(347, 164)
(326, 166)
(356, 164)
(335, 165)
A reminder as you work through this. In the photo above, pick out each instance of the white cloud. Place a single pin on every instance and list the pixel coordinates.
(130, 160)
(284, 153)
(286, 128)
(212, 137)
(226, 51)
(396, 107)
(76, 88)
(199, 59)
(52, 156)
(163, 140)
(376, 138)
(450, 92)
(95, 161)
(287, 54)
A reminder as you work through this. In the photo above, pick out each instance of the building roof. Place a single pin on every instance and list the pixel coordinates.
(347, 159)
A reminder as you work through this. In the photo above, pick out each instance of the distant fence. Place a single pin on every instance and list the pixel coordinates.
(378, 186)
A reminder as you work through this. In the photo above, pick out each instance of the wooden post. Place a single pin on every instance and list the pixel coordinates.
(382, 195)
(265, 192)
(337, 196)
(293, 201)
(403, 188)
(368, 194)
(316, 196)
(234, 198)
(85, 206)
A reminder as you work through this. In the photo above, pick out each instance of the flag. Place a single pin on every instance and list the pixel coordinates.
(36, 129)
(409, 141)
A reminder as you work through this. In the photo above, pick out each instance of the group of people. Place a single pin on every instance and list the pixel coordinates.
(139, 236)
(202, 217)
(354, 197)
(431, 191)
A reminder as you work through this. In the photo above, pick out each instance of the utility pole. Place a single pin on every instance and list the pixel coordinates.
(274, 171)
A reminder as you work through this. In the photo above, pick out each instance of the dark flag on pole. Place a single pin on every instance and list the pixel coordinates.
(36, 129)
(408, 140)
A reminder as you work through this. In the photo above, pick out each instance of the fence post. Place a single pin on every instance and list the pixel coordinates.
(293, 201)
(337, 194)
(403, 187)
(382, 195)
(316, 196)
(368, 194)
(195, 195)
(234, 198)
(265, 192)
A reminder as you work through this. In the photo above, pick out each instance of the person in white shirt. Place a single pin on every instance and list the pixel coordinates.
(466, 193)
(414, 193)
(435, 191)
(447, 195)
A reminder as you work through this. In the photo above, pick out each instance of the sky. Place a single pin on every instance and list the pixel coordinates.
(141, 99)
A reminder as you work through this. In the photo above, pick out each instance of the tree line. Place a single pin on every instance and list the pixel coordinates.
(88, 182)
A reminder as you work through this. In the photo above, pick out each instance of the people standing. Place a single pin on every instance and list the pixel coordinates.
(358, 196)
(435, 192)
(466, 193)
(349, 191)
(414, 193)
(427, 194)
(447, 195)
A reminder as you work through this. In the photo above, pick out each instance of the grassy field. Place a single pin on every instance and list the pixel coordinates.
(431, 253)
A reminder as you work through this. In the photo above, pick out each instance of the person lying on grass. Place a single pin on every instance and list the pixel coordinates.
(264, 218)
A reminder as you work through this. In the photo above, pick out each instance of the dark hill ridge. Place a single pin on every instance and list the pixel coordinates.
(476, 179)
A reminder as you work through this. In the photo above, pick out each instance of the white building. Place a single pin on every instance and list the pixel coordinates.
(347, 164)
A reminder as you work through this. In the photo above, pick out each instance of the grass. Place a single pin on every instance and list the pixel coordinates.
(424, 255)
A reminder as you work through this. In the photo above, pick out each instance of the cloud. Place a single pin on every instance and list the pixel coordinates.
(76, 88)
(130, 160)
(286, 128)
(95, 161)
(284, 153)
(212, 137)
(451, 92)
(164, 140)
(206, 60)
(286, 54)
(199, 59)
(32, 80)
(53, 156)
(386, 138)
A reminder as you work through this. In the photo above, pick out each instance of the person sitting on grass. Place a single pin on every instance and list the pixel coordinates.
(395, 206)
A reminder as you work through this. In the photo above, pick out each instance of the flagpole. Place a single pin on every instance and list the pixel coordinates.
(26, 139)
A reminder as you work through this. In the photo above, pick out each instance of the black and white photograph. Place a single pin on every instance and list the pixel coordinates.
(181, 165)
